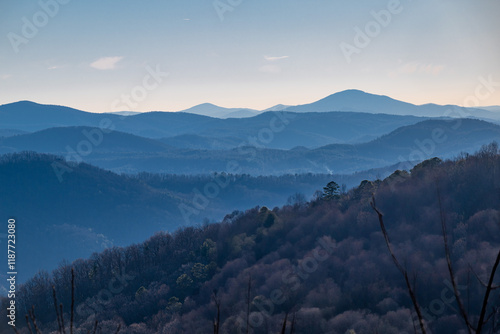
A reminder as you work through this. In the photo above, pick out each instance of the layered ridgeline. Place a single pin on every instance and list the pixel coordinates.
(345, 117)
(188, 154)
(321, 266)
(288, 129)
(67, 210)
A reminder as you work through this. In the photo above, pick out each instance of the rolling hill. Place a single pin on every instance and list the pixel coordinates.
(414, 142)
(81, 139)
(125, 153)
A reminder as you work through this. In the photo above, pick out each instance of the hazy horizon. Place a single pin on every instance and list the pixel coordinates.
(248, 55)
(222, 106)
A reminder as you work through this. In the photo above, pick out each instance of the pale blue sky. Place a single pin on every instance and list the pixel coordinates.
(262, 53)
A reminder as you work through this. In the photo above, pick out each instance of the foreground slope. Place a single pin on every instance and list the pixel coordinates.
(324, 263)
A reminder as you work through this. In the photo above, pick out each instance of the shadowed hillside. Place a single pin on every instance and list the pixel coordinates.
(321, 266)
(80, 209)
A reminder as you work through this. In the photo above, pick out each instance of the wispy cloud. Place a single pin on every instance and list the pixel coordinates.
(270, 69)
(5, 76)
(270, 58)
(417, 67)
(55, 67)
(106, 63)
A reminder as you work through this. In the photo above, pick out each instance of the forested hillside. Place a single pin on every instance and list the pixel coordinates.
(317, 267)
(80, 209)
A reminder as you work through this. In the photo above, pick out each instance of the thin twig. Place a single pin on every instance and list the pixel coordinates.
(33, 318)
(283, 328)
(57, 311)
(480, 281)
(62, 318)
(448, 262)
(487, 295)
(292, 328)
(248, 302)
(28, 322)
(398, 265)
(72, 300)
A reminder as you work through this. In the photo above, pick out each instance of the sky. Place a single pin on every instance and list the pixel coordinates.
(169, 55)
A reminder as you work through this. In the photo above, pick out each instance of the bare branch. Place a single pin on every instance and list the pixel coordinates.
(480, 281)
(487, 295)
(249, 288)
(283, 328)
(33, 319)
(73, 301)
(386, 236)
(216, 321)
(29, 324)
(398, 265)
(292, 328)
(57, 311)
(450, 267)
(62, 318)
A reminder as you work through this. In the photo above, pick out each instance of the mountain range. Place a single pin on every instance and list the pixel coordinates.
(30, 116)
(354, 100)
(126, 153)
(166, 158)
(271, 129)
(345, 132)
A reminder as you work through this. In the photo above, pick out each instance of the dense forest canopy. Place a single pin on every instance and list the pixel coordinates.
(91, 209)
(320, 266)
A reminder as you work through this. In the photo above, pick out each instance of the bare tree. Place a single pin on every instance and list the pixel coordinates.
(283, 328)
(249, 288)
(483, 318)
(31, 317)
(489, 286)
(216, 321)
(450, 267)
(402, 270)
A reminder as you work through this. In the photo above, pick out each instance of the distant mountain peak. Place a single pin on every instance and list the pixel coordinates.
(356, 93)
(206, 105)
(359, 101)
(351, 91)
(277, 107)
